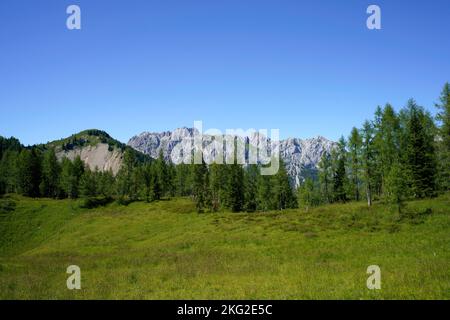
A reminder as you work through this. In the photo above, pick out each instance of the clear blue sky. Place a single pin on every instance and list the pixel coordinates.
(305, 67)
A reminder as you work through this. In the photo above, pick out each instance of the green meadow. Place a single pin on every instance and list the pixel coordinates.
(165, 250)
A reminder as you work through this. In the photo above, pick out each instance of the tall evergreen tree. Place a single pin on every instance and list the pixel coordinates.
(368, 160)
(29, 173)
(236, 187)
(125, 187)
(200, 188)
(251, 188)
(339, 174)
(8, 171)
(163, 174)
(50, 183)
(420, 151)
(325, 177)
(354, 159)
(443, 117)
(308, 195)
(283, 193)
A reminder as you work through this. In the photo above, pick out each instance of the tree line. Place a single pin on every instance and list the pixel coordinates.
(35, 172)
(396, 156)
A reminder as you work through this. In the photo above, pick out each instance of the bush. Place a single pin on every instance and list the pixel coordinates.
(94, 202)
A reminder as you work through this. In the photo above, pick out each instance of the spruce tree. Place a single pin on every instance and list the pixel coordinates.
(283, 193)
(251, 188)
(420, 151)
(339, 174)
(443, 118)
(236, 188)
(8, 171)
(368, 160)
(199, 186)
(325, 177)
(354, 159)
(49, 186)
(29, 173)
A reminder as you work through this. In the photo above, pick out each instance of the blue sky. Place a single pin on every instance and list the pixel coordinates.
(305, 67)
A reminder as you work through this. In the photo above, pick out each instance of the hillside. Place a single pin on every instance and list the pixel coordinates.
(165, 250)
(96, 148)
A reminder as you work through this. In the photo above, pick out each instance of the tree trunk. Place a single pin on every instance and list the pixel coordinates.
(369, 196)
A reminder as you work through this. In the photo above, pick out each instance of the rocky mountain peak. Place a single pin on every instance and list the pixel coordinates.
(301, 156)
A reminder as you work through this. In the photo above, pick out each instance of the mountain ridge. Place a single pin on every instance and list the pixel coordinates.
(301, 156)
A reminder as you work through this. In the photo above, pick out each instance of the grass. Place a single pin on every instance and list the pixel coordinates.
(165, 250)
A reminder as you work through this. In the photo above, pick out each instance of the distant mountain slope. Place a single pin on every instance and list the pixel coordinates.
(96, 148)
(301, 157)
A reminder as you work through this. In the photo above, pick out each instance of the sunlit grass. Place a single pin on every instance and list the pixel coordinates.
(165, 250)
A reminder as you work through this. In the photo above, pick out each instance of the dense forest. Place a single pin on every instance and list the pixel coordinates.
(394, 157)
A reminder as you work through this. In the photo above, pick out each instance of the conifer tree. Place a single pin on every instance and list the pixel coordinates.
(420, 151)
(29, 173)
(236, 187)
(251, 188)
(266, 191)
(339, 174)
(199, 186)
(49, 186)
(325, 177)
(354, 159)
(443, 118)
(283, 193)
(307, 194)
(8, 171)
(368, 160)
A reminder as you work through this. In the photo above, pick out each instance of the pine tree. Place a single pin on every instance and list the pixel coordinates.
(183, 179)
(396, 186)
(236, 188)
(125, 188)
(49, 186)
(8, 171)
(105, 183)
(199, 186)
(88, 186)
(251, 188)
(443, 117)
(325, 177)
(156, 189)
(147, 178)
(284, 196)
(387, 142)
(368, 161)
(266, 199)
(354, 159)
(339, 174)
(307, 194)
(216, 186)
(28, 173)
(420, 152)
(163, 174)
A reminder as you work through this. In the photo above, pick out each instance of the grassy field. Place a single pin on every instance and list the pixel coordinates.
(165, 250)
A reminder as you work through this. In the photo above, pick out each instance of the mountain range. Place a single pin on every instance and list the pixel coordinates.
(99, 150)
(300, 156)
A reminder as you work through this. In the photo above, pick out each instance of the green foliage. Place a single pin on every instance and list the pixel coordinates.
(443, 145)
(419, 155)
(308, 194)
(51, 170)
(339, 159)
(28, 173)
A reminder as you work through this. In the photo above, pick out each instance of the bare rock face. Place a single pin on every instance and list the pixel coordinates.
(98, 156)
(300, 157)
